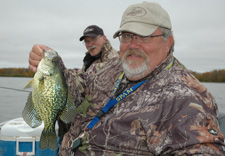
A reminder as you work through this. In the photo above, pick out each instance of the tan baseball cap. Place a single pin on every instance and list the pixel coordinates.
(143, 19)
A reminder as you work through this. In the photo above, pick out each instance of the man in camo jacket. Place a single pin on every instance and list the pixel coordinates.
(160, 107)
(172, 113)
(99, 52)
(98, 46)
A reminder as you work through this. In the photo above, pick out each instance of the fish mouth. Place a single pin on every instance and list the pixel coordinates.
(50, 55)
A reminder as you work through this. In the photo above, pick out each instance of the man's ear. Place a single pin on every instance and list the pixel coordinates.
(169, 43)
(105, 38)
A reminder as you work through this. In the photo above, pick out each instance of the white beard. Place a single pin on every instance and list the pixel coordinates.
(136, 73)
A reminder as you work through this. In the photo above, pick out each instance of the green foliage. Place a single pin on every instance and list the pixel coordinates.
(213, 76)
(16, 72)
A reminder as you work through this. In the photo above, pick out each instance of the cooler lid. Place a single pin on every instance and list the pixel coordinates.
(18, 127)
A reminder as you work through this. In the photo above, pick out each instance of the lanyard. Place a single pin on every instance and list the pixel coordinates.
(112, 102)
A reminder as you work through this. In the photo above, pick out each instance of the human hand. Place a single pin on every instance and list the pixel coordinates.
(36, 55)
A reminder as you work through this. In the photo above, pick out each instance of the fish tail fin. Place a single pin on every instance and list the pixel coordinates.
(48, 139)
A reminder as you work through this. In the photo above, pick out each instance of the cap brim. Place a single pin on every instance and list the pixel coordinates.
(141, 29)
(87, 35)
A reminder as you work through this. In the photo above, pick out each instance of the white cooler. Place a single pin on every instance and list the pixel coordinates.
(17, 138)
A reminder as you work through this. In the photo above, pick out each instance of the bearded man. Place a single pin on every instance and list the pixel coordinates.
(146, 102)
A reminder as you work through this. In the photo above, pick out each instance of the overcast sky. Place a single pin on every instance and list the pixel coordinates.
(198, 26)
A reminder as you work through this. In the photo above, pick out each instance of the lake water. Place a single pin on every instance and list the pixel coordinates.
(13, 101)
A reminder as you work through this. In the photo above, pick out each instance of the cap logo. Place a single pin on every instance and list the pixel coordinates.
(137, 12)
(88, 30)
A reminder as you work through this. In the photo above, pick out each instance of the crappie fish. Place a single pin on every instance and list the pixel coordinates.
(50, 98)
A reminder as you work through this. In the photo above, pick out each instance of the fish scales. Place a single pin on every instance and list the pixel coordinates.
(50, 99)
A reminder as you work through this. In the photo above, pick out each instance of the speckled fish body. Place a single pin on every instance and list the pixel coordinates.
(49, 99)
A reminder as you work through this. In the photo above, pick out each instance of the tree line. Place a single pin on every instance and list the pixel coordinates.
(16, 72)
(212, 76)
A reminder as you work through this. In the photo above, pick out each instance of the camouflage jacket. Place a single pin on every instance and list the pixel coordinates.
(107, 53)
(172, 113)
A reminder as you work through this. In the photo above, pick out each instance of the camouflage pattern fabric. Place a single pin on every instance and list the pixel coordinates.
(170, 114)
(75, 82)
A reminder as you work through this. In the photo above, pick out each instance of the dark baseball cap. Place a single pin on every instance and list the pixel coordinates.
(92, 31)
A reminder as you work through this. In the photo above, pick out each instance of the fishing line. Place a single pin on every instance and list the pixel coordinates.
(15, 89)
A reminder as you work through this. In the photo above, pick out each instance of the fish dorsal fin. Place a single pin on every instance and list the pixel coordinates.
(30, 115)
(29, 84)
(69, 112)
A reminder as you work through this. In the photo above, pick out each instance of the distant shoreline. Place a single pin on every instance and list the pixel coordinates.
(14, 76)
(212, 76)
(16, 72)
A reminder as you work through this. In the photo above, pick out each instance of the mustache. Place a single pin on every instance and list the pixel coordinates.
(92, 47)
(134, 52)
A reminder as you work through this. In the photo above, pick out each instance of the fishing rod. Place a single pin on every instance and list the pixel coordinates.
(14, 89)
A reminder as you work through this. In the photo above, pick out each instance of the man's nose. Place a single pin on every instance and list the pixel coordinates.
(133, 43)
